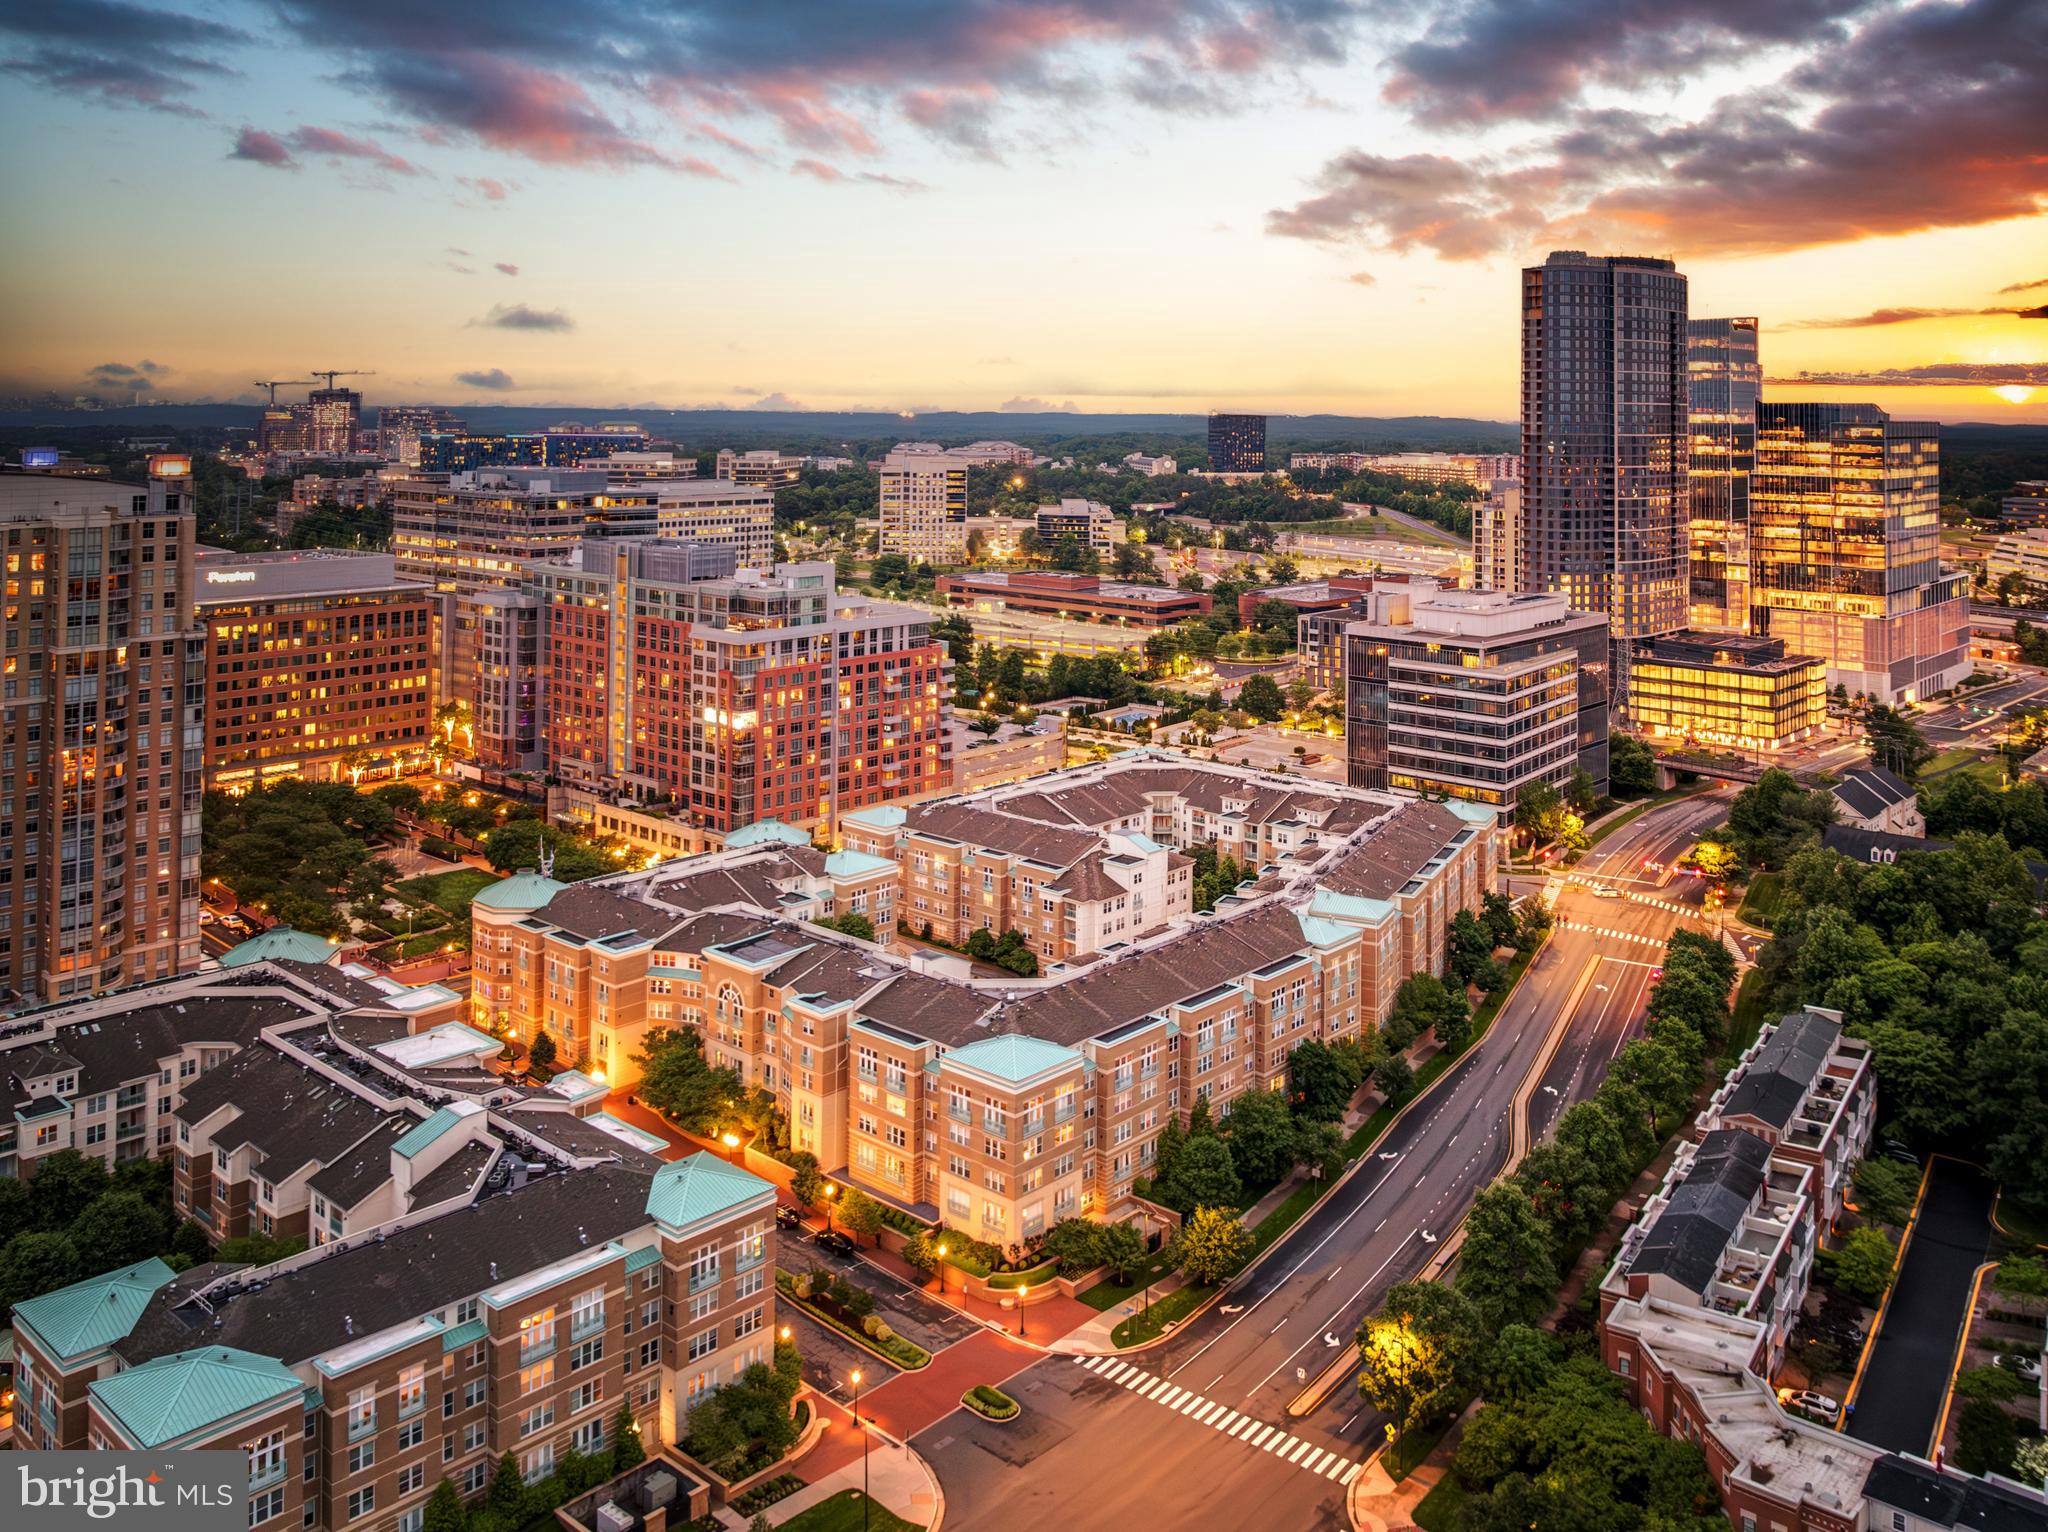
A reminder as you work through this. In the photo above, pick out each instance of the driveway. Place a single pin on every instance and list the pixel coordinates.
(914, 1315)
(1897, 1403)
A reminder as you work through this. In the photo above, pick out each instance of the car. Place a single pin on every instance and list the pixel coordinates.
(787, 1217)
(1813, 1405)
(1606, 891)
(2026, 1368)
(207, 917)
(837, 1243)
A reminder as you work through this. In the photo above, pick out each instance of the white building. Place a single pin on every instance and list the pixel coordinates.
(1150, 467)
(716, 511)
(924, 504)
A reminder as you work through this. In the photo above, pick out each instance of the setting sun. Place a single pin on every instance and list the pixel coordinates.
(2014, 393)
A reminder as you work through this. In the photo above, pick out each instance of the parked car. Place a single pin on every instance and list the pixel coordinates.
(1814, 1406)
(787, 1217)
(837, 1243)
(2025, 1367)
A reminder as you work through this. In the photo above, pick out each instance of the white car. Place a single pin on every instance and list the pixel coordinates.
(2025, 1367)
(1606, 891)
(1815, 1406)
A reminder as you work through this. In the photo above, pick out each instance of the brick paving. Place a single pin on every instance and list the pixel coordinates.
(909, 1402)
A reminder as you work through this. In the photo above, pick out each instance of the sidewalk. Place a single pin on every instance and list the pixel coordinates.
(895, 1475)
(1377, 1504)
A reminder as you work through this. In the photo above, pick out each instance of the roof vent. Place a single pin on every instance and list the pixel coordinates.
(494, 1271)
(348, 1324)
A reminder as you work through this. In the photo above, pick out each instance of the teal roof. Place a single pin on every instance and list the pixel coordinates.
(1013, 1057)
(1471, 813)
(1323, 933)
(763, 832)
(701, 1186)
(176, 1396)
(851, 864)
(1348, 906)
(421, 1134)
(646, 1255)
(521, 891)
(280, 942)
(883, 816)
(576, 1085)
(97, 1312)
(1142, 841)
(464, 1335)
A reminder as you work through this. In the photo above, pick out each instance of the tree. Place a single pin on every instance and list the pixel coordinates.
(444, 1511)
(1995, 1384)
(1506, 1267)
(854, 924)
(1664, 1080)
(1885, 1190)
(519, 843)
(507, 1494)
(1261, 1137)
(1076, 1243)
(1420, 1354)
(806, 1183)
(1579, 793)
(1470, 943)
(628, 1451)
(119, 1229)
(1986, 1438)
(2030, 1461)
(860, 1214)
(1774, 817)
(1122, 1250)
(1395, 1077)
(1518, 1363)
(676, 1080)
(921, 1253)
(1204, 1175)
(1166, 1148)
(34, 1264)
(542, 1054)
(1498, 911)
(17, 1208)
(1260, 696)
(1539, 811)
(1895, 741)
(1320, 1081)
(65, 1185)
(1321, 1147)
(1212, 1244)
(1862, 1263)
(1631, 767)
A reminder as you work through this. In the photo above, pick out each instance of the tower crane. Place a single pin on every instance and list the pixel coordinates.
(331, 373)
(274, 384)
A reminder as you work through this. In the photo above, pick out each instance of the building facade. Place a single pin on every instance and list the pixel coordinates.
(104, 727)
(765, 466)
(333, 417)
(1081, 597)
(319, 663)
(1845, 549)
(924, 506)
(1088, 522)
(466, 452)
(1237, 443)
(1724, 379)
(1497, 537)
(1727, 690)
(1474, 694)
(1605, 442)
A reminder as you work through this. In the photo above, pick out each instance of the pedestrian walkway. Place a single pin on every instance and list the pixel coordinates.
(1291, 1450)
(905, 1404)
(895, 1475)
(1612, 935)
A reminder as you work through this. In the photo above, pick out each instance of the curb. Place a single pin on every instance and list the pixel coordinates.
(1955, 1366)
(1884, 1306)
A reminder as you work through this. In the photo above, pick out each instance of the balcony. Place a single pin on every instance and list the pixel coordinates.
(701, 1278)
(269, 1474)
(586, 1323)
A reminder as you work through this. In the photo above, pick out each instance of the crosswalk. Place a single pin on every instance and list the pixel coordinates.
(1291, 1450)
(1613, 935)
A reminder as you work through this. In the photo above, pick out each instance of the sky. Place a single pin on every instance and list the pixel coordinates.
(1295, 206)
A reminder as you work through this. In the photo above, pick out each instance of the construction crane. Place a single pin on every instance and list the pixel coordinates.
(274, 384)
(331, 373)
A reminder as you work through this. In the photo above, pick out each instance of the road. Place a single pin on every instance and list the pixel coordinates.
(1243, 1360)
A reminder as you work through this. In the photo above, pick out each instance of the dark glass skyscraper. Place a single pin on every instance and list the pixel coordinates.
(1237, 443)
(1604, 441)
(1723, 377)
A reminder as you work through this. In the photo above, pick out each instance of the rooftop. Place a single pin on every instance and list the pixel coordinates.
(96, 1312)
(1013, 1058)
(179, 1396)
(280, 942)
(701, 1186)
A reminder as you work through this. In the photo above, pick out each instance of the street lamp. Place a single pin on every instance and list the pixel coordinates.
(861, 1426)
(1023, 1292)
(732, 1144)
(939, 1271)
(831, 1193)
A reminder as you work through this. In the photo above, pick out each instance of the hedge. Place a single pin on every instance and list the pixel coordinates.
(990, 1403)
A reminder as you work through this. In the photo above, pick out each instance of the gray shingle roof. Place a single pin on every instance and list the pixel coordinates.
(1705, 1210)
(1784, 1069)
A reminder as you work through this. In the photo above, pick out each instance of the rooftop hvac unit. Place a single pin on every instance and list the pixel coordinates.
(611, 1519)
(658, 1489)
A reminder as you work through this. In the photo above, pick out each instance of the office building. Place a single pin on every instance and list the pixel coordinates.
(2024, 554)
(1474, 694)
(479, 531)
(718, 512)
(104, 727)
(981, 454)
(1727, 690)
(1497, 536)
(334, 414)
(1845, 549)
(1723, 381)
(462, 452)
(622, 468)
(319, 664)
(284, 428)
(1088, 522)
(2027, 505)
(766, 466)
(735, 695)
(924, 505)
(1152, 467)
(1079, 597)
(1324, 608)
(400, 427)
(1605, 438)
(499, 675)
(1237, 443)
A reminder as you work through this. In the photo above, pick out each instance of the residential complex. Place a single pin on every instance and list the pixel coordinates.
(1845, 549)
(318, 663)
(734, 695)
(495, 1267)
(1723, 381)
(1089, 522)
(475, 531)
(1082, 597)
(104, 730)
(1237, 443)
(1727, 690)
(332, 415)
(1001, 1107)
(1605, 439)
(924, 505)
(717, 512)
(1474, 694)
(1497, 537)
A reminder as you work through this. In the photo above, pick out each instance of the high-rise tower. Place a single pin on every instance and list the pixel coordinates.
(1723, 378)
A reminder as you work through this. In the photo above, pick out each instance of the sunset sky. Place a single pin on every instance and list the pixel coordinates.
(1299, 206)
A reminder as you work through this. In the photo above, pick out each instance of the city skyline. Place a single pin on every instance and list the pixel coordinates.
(628, 208)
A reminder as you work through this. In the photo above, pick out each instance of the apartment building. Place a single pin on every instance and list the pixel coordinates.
(1474, 694)
(1807, 1089)
(924, 505)
(319, 663)
(102, 731)
(1066, 594)
(761, 466)
(1088, 522)
(736, 695)
(479, 530)
(867, 1051)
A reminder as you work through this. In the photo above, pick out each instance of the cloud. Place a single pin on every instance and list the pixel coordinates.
(496, 379)
(1363, 279)
(1878, 317)
(261, 148)
(1934, 375)
(117, 53)
(774, 401)
(510, 269)
(518, 316)
(1922, 116)
(1027, 406)
(339, 146)
(134, 377)
(458, 250)
(962, 117)
(2024, 287)
(832, 175)
(487, 187)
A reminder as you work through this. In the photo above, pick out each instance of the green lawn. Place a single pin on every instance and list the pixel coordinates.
(1143, 1326)
(1990, 769)
(1379, 528)
(1438, 1510)
(2018, 1226)
(450, 891)
(1748, 1018)
(850, 1511)
(1107, 1294)
(1766, 896)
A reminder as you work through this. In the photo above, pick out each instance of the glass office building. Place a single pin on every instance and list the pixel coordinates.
(1724, 378)
(1237, 443)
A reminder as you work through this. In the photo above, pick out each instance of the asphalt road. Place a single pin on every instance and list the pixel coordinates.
(1376, 1229)
(1898, 1403)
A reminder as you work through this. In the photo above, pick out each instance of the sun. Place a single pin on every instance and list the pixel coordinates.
(2014, 393)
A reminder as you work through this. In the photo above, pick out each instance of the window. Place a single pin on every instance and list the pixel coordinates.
(412, 1390)
(538, 1419)
(264, 1506)
(472, 1436)
(465, 1311)
(584, 1395)
(539, 1376)
(474, 1478)
(362, 1412)
(413, 1520)
(536, 1335)
(538, 1464)
(586, 1314)
(361, 1502)
(473, 1394)
(266, 1462)
(412, 1478)
(746, 1324)
(589, 1437)
(411, 1434)
(361, 1456)
(703, 1343)
(650, 1353)
(590, 1352)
